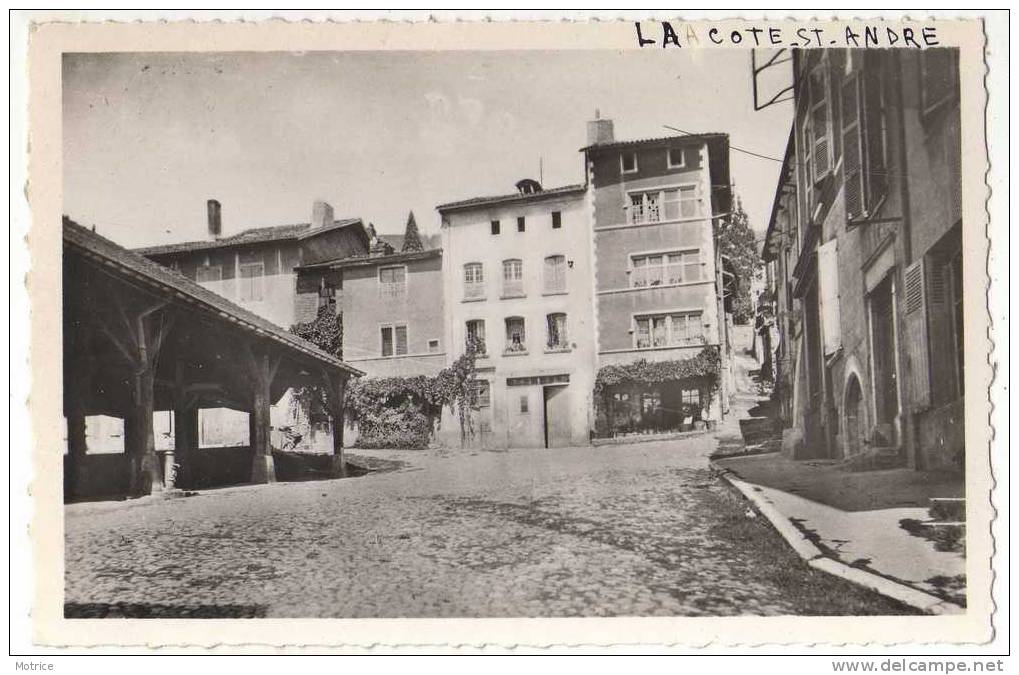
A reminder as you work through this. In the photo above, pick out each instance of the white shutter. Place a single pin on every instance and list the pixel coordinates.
(820, 113)
(917, 350)
(828, 287)
(852, 159)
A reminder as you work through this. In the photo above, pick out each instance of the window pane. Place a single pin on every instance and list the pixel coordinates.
(555, 274)
(675, 157)
(401, 339)
(387, 341)
(557, 331)
(515, 334)
(637, 208)
(658, 331)
(643, 333)
(484, 394)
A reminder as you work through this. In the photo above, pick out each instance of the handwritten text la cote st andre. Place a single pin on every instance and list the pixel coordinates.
(850, 35)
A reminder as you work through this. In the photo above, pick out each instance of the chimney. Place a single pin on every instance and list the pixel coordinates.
(598, 130)
(321, 214)
(215, 219)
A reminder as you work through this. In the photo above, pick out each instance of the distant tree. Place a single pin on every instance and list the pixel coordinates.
(411, 237)
(738, 245)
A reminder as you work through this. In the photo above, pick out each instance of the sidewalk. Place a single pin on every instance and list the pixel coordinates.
(875, 521)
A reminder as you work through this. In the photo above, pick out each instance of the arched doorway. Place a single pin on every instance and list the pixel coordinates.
(854, 417)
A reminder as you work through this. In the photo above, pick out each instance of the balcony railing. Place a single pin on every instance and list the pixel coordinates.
(658, 275)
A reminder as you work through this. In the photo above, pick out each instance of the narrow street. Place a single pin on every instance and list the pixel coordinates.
(637, 530)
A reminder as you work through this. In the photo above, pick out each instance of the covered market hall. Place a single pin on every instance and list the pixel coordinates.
(139, 338)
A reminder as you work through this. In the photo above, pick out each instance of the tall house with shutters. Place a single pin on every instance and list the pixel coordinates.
(517, 283)
(864, 250)
(658, 277)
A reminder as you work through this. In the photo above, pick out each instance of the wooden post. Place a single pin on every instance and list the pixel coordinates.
(185, 433)
(336, 389)
(261, 372)
(139, 339)
(185, 442)
(78, 387)
(77, 447)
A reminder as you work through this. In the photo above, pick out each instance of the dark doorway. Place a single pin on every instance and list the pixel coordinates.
(883, 348)
(854, 417)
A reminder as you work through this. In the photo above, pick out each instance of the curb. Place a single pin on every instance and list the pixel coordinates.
(818, 559)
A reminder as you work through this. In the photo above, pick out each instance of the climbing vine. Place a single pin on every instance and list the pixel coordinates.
(706, 366)
(403, 411)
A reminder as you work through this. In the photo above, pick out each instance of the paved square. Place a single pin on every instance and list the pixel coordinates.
(637, 530)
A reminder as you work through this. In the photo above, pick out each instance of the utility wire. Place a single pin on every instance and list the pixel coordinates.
(896, 174)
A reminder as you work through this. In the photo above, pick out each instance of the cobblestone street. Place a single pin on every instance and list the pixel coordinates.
(643, 529)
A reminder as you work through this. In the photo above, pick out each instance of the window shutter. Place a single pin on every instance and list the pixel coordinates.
(916, 336)
(819, 114)
(940, 330)
(872, 121)
(828, 286)
(852, 151)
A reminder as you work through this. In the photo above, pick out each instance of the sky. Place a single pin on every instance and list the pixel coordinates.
(149, 137)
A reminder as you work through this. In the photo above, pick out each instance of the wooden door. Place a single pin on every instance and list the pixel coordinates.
(557, 416)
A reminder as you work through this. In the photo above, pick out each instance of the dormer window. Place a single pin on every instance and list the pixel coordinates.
(628, 162)
(677, 159)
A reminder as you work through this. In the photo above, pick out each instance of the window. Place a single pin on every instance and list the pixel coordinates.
(521, 224)
(666, 330)
(393, 281)
(557, 220)
(251, 281)
(476, 334)
(515, 341)
(474, 281)
(864, 142)
(512, 278)
(557, 338)
(628, 162)
(394, 340)
(523, 404)
(939, 77)
(676, 158)
(663, 269)
(484, 393)
(206, 274)
(555, 274)
(691, 396)
(433, 346)
(495, 227)
(655, 206)
(818, 114)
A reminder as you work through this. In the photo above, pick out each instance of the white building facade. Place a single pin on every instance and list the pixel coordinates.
(517, 278)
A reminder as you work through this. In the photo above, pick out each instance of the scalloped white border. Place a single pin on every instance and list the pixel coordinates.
(461, 30)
